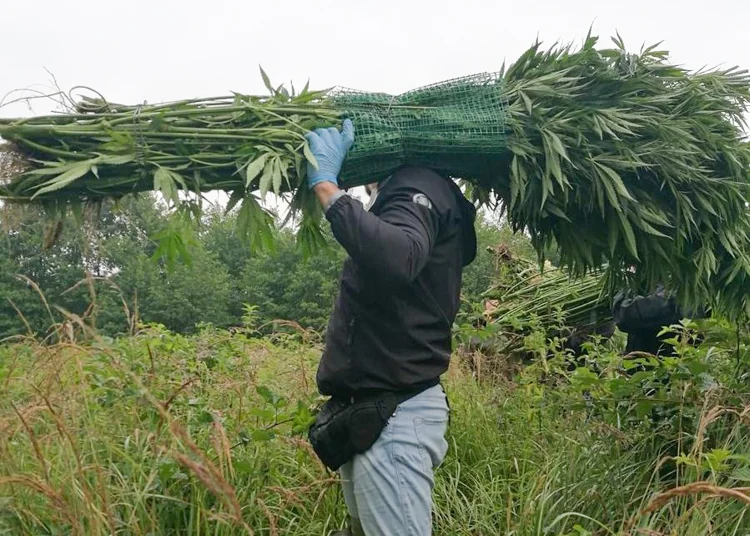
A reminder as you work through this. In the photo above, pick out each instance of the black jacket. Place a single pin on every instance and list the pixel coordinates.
(400, 286)
(644, 317)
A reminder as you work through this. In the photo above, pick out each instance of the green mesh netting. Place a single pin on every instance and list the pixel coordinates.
(449, 127)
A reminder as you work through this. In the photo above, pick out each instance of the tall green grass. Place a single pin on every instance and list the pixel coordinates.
(160, 434)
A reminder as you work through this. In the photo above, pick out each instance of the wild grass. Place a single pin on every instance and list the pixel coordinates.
(160, 434)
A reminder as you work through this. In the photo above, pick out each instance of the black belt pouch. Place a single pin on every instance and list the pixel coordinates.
(345, 427)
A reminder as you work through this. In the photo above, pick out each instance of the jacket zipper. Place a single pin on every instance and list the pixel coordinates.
(350, 340)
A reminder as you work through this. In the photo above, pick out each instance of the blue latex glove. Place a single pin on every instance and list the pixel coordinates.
(329, 146)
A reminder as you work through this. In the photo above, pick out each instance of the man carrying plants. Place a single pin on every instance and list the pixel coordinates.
(389, 336)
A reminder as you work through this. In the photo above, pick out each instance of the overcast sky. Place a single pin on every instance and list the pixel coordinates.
(158, 50)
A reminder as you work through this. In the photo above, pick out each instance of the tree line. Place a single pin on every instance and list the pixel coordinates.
(105, 266)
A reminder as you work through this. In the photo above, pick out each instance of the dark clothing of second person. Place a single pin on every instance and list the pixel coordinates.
(644, 317)
(399, 292)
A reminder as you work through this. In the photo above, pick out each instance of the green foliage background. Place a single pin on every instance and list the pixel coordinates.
(221, 277)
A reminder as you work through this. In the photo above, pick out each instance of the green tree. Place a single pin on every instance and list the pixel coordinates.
(180, 299)
(55, 270)
(285, 285)
(114, 251)
(219, 236)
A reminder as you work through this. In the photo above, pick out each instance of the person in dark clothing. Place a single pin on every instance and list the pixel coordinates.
(390, 330)
(644, 317)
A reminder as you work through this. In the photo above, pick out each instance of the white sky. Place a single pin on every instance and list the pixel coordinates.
(159, 50)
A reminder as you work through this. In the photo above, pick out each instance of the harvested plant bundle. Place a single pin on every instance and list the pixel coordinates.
(552, 300)
(621, 160)
(524, 300)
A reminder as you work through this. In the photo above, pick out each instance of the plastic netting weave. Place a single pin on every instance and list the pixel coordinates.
(449, 127)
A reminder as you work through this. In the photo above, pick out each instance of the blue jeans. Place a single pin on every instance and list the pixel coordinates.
(389, 487)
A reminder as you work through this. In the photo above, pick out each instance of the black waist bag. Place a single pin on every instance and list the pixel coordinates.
(345, 427)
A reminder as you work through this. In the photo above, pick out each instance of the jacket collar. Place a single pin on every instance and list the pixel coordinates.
(374, 195)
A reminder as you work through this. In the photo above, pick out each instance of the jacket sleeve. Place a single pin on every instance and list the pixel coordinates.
(393, 245)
